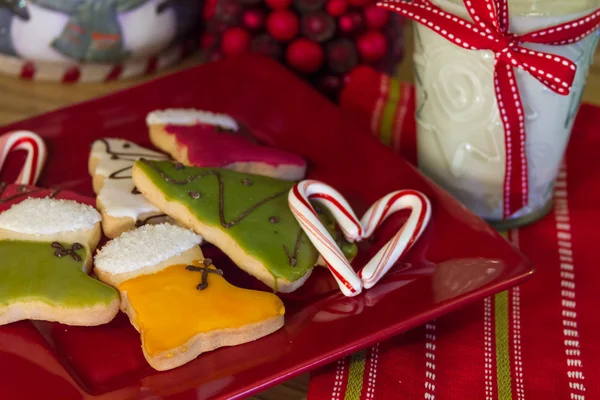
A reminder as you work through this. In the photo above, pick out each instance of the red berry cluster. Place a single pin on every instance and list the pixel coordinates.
(322, 40)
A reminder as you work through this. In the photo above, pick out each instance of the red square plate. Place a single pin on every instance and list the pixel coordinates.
(458, 260)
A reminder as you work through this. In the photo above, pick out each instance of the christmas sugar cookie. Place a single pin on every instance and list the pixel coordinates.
(181, 304)
(46, 247)
(203, 139)
(246, 216)
(121, 204)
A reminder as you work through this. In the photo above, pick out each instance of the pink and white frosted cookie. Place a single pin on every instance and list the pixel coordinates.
(204, 139)
(122, 206)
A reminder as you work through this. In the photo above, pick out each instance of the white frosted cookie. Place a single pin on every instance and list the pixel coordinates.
(121, 204)
(178, 301)
(46, 248)
(140, 250)
(48, 216)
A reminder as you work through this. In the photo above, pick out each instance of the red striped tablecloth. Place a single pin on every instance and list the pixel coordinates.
(537, 341)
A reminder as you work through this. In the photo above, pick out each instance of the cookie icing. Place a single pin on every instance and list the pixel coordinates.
(205, 139)
(118, 194)
(190, 116)
(251, 209)
(170, 310)
(144, 247)
(32, 271)
(35, 216)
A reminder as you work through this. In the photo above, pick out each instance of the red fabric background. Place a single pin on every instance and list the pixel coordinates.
(552, 321)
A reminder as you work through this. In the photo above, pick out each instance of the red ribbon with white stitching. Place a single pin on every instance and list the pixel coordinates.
(490, 31)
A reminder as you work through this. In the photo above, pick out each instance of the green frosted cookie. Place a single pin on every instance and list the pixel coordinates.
(247, 216)
(45, 254)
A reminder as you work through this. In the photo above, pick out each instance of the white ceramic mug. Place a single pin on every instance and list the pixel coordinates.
(92, 40)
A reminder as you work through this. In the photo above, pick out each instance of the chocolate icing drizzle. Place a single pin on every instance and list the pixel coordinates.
(24, 191)
(119, 155)
(61, 251)
(216, 174)
(205, 271)
(194, 194)
(293, 257)
(142, 222)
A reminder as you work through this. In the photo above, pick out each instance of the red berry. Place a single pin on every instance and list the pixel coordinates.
(235, 41)
(372, 46)
(342, 56)
(229, 11)
(360, 3)
(330, 84)
(254, 20)
(282, 25)
(318, 26)
(266, 46)
(351, 23)
(304, 55)
(278, 4)
(305, 6)
(216, 27)
(375, 17)
(336, 7)
(347, 77)
(206, 40)
(209, 10)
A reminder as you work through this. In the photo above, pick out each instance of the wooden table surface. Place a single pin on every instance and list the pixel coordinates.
(20, 100)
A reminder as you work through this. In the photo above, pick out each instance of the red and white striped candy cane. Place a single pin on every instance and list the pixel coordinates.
(402, 241)
(35, 147)
(354, 230)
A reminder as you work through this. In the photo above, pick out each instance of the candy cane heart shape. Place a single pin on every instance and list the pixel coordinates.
(403, 240)
(349, 283)
(353, 229)
(35, 147)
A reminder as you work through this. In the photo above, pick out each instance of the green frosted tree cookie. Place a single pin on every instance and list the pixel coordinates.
(247, 216)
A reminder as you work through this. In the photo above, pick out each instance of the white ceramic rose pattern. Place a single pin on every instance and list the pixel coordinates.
(460, 138)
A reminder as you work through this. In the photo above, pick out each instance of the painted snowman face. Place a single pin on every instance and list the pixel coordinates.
(32, 39)
(146, 30)
(142, 31)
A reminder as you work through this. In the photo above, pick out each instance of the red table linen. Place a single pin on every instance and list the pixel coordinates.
(536, 341)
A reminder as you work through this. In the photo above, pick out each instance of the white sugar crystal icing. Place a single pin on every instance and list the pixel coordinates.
(190, 116)
(48, 216)
(145, 247)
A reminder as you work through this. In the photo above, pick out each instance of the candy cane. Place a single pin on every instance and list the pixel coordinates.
(402, 241)
(35, 147)
(307, 217)
(354, 229)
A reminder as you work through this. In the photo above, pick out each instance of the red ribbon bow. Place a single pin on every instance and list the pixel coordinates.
(490, 31)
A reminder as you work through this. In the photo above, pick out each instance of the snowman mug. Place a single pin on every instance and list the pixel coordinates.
(93, 40)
